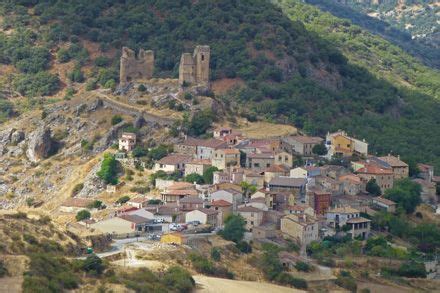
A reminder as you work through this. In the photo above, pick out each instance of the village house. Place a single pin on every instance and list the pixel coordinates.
(253, 217)
(230, 195)
(232, 139)
(358, 227)
(295, 185)
(127, 141)
(265, 231)
(303, 228)
(259, 161)
(138, 202)
(254, 178)
(110, 188)
(299, 209)
(256, 202)
(123, 224)
(275, 171)
(75, 204)
(190, 203)
(400, 168)
(283, 158)
(168, 213)
(300, 145)
(384, 177)
(220, 177)
(333, 171)
(223, 208)
(202, 215)
(221, 131)
(224, 158)
(172, 163)
(340, 144)
(384, 204)
(338, 217)
(320, 201)
(188, 147)
(207, 147)
(197, 166)
(305, 172)
(328, 184)
(426, 171)
(178, 191)
(267, 195)
(352, 184)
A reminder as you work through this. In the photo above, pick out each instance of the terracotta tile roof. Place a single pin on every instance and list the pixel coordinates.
(277, 169)
(229, 151)
(344, 210)
(249, 209)
(261, 156)
(424, 183)
(207, 211)
(191, 199)
(77, 202)
(384, 200)
(393, 161)
(181, 185)
(200, 162)
(220, 203)
(134, 219)
(358, 220)
(373, 169)
(128, 135)
(174, 159)
(187, 192)
(127, 209)
(138, 200)
(352, 178)
(287, 181)
(258, 199)
(298, 207)
(424, 167)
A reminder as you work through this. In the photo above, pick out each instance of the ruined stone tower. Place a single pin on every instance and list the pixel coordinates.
(135, 68)
(194, 69)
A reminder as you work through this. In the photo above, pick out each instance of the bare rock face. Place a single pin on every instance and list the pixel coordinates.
(17, 137)
(40, 144)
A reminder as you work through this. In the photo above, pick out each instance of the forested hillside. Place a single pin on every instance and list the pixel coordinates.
(298, 64)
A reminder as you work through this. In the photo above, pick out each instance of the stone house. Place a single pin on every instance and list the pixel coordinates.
(352, 184)
(299, 209)
(127, 141)
(232, 196)
(187, 147)
(224, 158)
(400, 168)
(384, 176)
(426, 171)
(172, 163)
(256, 202)
(265, 231)
(138, 202)
(259, 161)
(221, 132)
(384, 204)
(283, 158)
(204, 216)
(296, 185)
(197, 166)
(275, 171)
(339, 143)
(359, 227)
(252, 216)
(300, 145)
(220, 177)
(303, 228)
(338, 217)
(223, 208)
(190, 203)
(254, 178)
(207, 147)
(173, 195)
(305, 172)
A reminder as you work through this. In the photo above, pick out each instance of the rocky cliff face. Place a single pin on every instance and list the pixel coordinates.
(40, 145)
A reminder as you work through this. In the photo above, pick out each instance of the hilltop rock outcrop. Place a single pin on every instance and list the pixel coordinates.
(40, 144)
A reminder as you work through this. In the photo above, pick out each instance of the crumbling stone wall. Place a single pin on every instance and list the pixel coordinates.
(194, 69)
(134, 68)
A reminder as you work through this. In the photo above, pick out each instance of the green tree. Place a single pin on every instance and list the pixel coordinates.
(194, 177)
(208, 174)
(123, 199)
(83, 215)
(96, 204)
(200, 122)
(215, 254)
(406, 194)
(109, 170)
(319, 149)
(93, 265)
(247, 188)
(234, 228)
(116, 119)
(373, 188)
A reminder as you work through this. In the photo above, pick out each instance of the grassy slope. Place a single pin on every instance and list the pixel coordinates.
(292, 73)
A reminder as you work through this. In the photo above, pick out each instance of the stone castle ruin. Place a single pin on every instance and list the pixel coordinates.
(193, 68)
(136, 67)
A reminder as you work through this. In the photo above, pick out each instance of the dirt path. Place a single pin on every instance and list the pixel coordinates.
(216, 285)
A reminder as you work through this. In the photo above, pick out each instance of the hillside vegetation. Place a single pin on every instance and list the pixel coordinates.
(309, 69)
